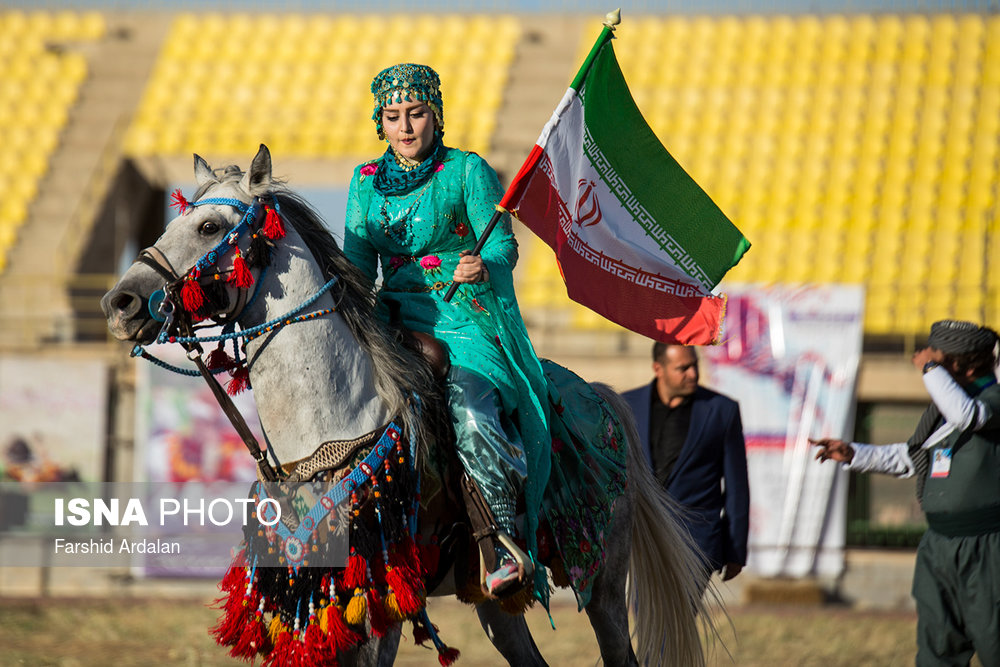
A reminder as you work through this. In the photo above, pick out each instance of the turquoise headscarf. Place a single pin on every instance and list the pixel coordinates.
(410, 82)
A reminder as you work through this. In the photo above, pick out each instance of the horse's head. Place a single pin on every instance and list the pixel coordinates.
(198, 263)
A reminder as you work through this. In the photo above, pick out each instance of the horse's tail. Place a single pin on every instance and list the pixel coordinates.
(665, 565)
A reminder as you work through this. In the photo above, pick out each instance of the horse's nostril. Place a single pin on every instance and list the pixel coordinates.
(122, 301)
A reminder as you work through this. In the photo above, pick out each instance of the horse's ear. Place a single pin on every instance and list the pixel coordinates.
(257, 180)
(202, 172)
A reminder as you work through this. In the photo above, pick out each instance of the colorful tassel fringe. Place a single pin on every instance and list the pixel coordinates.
(274, 227)
(356, 609)
(341, 637)
(265, 608)
(192, 295)
(179, 202)
(219, 359)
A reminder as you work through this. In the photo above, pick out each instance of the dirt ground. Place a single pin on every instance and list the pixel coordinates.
(102, 631)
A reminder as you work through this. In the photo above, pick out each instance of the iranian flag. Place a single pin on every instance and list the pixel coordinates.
(637, 240)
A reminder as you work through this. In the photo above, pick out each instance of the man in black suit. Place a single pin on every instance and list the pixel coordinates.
(693, 439)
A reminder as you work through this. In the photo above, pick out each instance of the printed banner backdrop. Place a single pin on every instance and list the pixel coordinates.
(53, 419)
(790, 356)
(184, 438)
(188, 437)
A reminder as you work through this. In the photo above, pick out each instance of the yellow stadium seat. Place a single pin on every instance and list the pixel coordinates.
(309, 64)
(943, 29)
(878, 321)
(970, 303)
(843, 145)
(14, 213)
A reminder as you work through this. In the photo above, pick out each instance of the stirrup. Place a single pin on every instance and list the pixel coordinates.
(509, 578)
(508, 574)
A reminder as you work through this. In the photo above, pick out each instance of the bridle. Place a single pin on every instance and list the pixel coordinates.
(189, 289)
(178, 303)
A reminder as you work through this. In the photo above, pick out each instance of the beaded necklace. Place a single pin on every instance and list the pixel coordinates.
(392, 179)
(399, 230)
(404, 163)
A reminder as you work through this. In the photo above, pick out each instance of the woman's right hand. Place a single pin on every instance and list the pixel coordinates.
(470, 269)
(836, 450)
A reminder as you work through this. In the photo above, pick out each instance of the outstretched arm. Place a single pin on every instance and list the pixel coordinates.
(887, 459)
(831, 449)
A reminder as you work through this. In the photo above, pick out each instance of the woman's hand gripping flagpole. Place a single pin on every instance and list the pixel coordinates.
(497, 214)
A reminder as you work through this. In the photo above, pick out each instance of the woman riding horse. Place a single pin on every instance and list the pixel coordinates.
(344, 405)
(419, 210)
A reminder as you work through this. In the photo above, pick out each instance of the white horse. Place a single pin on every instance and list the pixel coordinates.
(338, 374)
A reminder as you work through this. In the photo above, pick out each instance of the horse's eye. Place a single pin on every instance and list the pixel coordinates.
(209, 228)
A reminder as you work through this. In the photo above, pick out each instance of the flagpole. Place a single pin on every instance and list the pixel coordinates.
(611, 20)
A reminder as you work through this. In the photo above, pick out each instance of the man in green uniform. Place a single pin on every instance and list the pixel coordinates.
(955, 456)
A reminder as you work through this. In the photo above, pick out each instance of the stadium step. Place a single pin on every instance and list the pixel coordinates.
(542, 70)
(33, 290)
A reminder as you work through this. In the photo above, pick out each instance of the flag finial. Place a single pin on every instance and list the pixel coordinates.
(611, 19)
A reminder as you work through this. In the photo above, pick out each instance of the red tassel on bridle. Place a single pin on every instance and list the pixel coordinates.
(192, 295)
(179, 201)
(240, 276)
(274, 227)
(219, 358)
(240, 381)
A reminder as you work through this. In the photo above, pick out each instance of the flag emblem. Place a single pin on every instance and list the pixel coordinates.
(588, 208)
(648, 246)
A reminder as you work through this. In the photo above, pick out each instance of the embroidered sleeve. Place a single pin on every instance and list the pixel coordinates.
(357, 246)
(482, 194)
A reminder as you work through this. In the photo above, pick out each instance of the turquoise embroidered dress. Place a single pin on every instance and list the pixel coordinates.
(572, 466)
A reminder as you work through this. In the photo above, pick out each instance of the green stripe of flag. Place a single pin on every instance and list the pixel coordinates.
(606, 36)
(678, 207)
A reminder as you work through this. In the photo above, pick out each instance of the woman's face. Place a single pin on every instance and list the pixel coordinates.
(409, 128)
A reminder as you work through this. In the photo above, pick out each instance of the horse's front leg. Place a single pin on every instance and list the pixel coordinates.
(510, 635)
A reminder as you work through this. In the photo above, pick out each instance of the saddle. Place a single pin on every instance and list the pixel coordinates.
(460, 523)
